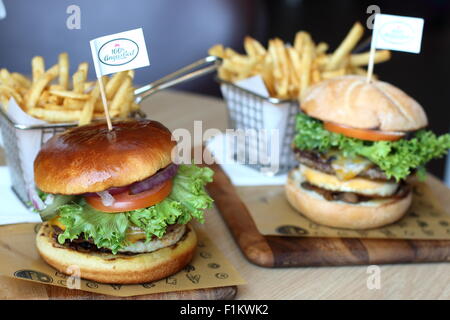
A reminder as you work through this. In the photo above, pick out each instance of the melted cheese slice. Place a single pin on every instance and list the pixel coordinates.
(133, 237)
(57, 223)
(357, 185)
(347, 168)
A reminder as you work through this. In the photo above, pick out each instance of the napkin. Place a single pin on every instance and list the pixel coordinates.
(240, 174)
(12, 209)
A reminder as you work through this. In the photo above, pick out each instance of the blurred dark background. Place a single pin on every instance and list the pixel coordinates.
(179, 32)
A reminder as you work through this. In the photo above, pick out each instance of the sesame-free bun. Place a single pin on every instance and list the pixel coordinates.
(119, 268)
(352, 101)
(371, 214)
(92, 159)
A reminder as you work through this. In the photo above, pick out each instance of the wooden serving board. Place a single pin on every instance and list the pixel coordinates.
(279, 251)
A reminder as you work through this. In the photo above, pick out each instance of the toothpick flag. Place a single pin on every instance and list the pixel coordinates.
(396, 33)
(115, 53)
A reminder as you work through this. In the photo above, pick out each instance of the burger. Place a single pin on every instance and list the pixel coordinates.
(358, 143)
(115, 205)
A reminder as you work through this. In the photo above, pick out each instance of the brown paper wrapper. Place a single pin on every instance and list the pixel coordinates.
(20, 259)
(425, 219)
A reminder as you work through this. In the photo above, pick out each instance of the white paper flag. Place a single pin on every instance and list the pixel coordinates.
(397, 33)
(119, 52)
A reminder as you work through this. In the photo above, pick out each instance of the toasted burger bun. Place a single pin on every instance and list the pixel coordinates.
(351, 101)
(92, 159)
(365, 215)
(123, 269)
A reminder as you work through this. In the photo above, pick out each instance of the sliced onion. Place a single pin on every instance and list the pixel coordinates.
(161, 176)
(113, 191)
(49, 199)
(107, 199)
(37, 202)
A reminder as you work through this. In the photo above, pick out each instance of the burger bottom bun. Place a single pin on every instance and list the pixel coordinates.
(120, 268)
(344, 215)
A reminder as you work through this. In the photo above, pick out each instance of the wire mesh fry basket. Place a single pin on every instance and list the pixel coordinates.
(247, 111)
(12, 135)
(252, 112)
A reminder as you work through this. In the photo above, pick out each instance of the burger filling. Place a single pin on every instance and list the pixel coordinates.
(339, 167)
(143, 217)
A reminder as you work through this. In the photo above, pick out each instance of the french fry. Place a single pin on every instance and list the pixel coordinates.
(267, 75)
(55, 87)
(37, 67)
(21, 80)
(113, 85)
(119, 101)
(280, 67)
(4, 100)
(306, 63)
(253, 47)
(39, 85)
(321, 48)
(69, 94)
(295, 68)
(89, 85)
(84, 66)
(51, 106)
(334, 73)
(345, 47)
(6, 79)
(217, 50)
(73, 104)
(63, 61)
(54, 99)
(11, 92)
(88, 109)
(78, 80)
(300, 38)
(55, 115)
(362, 59)
(316, 76)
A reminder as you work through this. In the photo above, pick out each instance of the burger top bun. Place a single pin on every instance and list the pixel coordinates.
(352, 101)
(92, 159)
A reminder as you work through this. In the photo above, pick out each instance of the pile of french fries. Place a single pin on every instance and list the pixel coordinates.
(50, 95)
(288, 70)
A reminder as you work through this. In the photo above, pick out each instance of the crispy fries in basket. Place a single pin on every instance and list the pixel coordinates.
(288, 70)
(51, 96)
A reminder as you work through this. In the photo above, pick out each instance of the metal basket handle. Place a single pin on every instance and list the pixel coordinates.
(189, 72)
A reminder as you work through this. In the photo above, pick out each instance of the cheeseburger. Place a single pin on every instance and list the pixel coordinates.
(115, 205)
(357, 144)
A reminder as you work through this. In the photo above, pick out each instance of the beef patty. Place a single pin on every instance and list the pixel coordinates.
(319, 161)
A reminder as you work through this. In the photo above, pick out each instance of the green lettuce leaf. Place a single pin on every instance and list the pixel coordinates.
(187, 200)
(105, 229)
(397, 159)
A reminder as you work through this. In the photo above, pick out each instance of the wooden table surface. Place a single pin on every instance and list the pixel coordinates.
(407, 281)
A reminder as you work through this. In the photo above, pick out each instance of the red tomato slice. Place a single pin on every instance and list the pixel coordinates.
(126, 202)
(363, 134)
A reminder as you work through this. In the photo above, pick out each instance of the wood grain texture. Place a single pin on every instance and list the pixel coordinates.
(279, 251)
